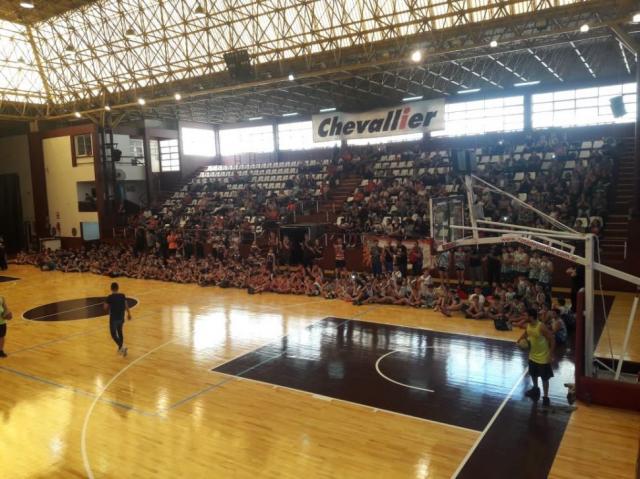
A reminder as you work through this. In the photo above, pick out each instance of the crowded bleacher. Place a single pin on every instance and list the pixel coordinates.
(395, 200)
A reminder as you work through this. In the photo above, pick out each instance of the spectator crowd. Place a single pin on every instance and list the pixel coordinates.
(548, 173)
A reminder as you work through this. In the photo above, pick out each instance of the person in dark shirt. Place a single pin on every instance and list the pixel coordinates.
(116, 305)
(577, 283)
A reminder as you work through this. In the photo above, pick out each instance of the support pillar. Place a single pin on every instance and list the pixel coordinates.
(588, 306)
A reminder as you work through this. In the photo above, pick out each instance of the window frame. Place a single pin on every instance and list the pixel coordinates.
(169, 146)
(76, 141)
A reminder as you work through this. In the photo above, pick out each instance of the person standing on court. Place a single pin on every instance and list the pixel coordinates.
(541, 346)
(5, 315)
(116, 305)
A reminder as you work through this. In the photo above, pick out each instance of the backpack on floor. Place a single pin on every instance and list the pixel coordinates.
(502, 324)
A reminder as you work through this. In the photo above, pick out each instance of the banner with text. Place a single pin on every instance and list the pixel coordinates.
(414, 117)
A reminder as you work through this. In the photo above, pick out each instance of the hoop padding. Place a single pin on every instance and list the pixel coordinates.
(604, 392)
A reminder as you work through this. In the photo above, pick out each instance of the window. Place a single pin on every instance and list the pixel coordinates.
(483, 116)
(385, 139)
(87, 200)
(586, 106)
(154, 156)
(198, 142)
(256, 139)
(83, 145)
(137, 147)
(299, 136)
(169, 156)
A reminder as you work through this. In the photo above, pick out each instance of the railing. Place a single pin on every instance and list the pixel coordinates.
(617, 245)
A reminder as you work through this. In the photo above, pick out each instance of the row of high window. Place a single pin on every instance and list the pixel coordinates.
(568, 108)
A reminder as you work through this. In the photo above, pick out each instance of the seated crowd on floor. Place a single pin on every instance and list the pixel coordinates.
(504, 284)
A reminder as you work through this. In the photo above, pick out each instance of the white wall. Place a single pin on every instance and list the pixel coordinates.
(14, 158)
(136, 192)
(61, 179)
(133, 173)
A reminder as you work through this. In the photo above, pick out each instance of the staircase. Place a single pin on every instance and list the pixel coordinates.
(329, 209)
(616, 229)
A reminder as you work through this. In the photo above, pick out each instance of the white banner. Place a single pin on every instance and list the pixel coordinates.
(414, 117)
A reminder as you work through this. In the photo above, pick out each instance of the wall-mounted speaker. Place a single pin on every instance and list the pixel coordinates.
(617, 107)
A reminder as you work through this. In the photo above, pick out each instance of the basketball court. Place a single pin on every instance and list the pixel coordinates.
(222, 384)
(373, 151)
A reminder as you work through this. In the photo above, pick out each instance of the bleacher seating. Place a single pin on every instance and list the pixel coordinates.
(401, 185)
(248, 192)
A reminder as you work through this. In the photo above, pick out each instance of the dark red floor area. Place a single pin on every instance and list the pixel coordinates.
(454, 379)
(469, 376)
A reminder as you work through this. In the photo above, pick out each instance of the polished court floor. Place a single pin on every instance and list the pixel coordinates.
(205, 391)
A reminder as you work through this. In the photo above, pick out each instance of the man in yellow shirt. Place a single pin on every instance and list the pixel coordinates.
(5, 314)
(541, 346)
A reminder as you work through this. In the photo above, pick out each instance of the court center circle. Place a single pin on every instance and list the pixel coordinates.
(71, 309)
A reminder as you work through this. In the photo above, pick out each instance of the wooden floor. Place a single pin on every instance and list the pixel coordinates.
(612, 338)
(71, 407)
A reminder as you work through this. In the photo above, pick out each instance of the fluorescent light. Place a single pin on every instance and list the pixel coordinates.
(636, 18)
(77, 114)
(291, 77)
(472, 90)
(416, 56)
(289, 114)
(177, 96)
(256, 118)
(412, 98)
(107, 108)
(493, 44)
(527, 83)
(326, 110)
(584, 28)
(142, 101)
(28, 5)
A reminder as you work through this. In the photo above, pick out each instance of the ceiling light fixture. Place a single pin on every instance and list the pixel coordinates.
(472, 90)
(636, 18)
(142, 102)
(412, 98)
(527, 83)
(130, 32)
(77, 114)
(199, 11)
(291, 77)
(107, 108)
(584, 28)
(290, 114)
(493, 43)
(69, 48)
(326, 110)
(416, 56)
(177, 96)
(28, 5)
(256, 118)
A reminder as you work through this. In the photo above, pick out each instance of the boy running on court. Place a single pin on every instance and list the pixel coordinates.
(116, 305)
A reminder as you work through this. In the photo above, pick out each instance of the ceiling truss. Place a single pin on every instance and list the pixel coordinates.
(348, 55)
